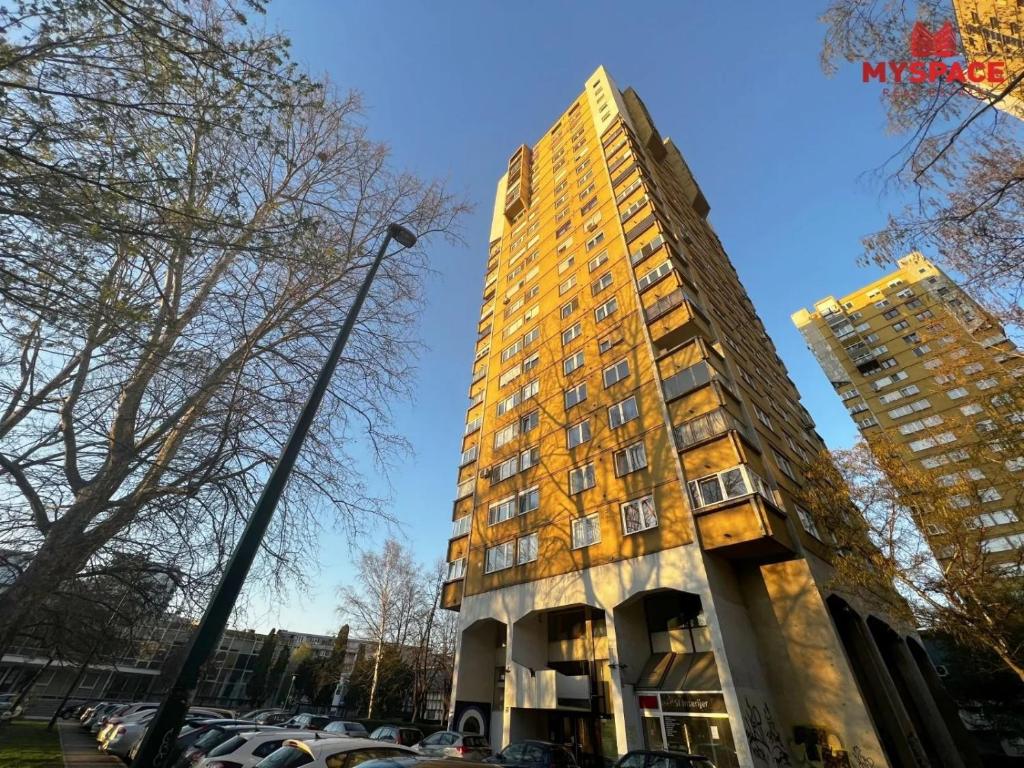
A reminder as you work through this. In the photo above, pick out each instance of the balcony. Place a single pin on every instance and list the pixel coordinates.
(690, 378)
(676, 318)
(451, 595)
(708, 426)
(547, 689)
(465, 489)
(745, 528)
(637, 256)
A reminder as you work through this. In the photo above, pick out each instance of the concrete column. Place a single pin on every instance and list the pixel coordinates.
(941, 748)
(900, 740)
(946, 706)
(628, 648)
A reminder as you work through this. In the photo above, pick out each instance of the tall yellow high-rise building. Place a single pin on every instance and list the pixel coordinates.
(919, 363)
(993, 30)
(628, 558)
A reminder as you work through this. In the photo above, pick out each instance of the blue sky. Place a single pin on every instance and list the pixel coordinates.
(780, 150)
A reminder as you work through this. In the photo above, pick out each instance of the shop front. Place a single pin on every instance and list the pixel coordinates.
(683, 708)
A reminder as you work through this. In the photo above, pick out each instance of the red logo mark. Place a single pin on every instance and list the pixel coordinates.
(923, 43)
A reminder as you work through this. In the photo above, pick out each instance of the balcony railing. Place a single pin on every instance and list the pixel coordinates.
(465, 489)
(669, 302)
(638, 256)
(707, 426)
(688, 379)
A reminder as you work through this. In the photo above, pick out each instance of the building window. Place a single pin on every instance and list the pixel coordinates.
(595, 241)
(764, 418)
(569, 308)
(586, 531)
(654, 276)
(609, 340)
(526, 549)
(500, 511)
(956, 394)
(598, 260)
(571, 333)
(807, 521)
(622, 412)
(576, 395)
(639, 515)
(500, 557)
(531, 362)
(578, 433)
(606, 309)
(456, 569)
(616, 372)
(567, 285)
(461, 526)
(784, 465)
(601, 283)
(573, 362)
(630, 459)
(529, 500)
(729, 484)
(581, 479)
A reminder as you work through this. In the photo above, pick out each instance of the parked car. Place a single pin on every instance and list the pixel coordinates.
(398, 734)
(97, 711)
(8, 709)
(190, 735)
(213, 737)
(308, 721)
(662, 758)
(347, 728)
(273, 717)
(253, 714)
(330, 751)
(534, 754)
(454, 744)
(245, 749)
(96, 723)
(120, 738)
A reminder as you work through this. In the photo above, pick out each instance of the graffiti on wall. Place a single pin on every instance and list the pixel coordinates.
(766, 744)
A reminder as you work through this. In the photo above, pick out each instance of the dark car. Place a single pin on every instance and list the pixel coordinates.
(398, 734)
(534, 754)
(307, 720)
(662, 758)
(347, 728)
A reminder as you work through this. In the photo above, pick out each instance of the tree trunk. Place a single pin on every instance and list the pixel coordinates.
(376, 677)
(63, 551)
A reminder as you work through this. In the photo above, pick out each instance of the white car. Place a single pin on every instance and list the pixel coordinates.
(246, 749)
(328, 752)
(118, 738)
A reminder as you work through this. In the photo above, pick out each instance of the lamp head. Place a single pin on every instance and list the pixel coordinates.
(404, 237)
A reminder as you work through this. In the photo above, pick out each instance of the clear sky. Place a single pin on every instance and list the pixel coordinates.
(780, 150)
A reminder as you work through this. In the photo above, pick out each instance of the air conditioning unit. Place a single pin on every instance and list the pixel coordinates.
(485, 472)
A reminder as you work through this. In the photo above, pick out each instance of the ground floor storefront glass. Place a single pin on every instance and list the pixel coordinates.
(695, 722)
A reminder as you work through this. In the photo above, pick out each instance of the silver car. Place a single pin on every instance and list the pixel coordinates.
(454, 744)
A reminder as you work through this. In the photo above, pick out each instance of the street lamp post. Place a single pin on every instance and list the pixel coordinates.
(158, 745)
(288, 698)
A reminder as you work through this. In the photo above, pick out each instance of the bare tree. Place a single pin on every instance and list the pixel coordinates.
(187, 221)
(962, 160)
(382, 603)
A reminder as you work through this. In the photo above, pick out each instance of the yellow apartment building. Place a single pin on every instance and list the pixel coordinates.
(994, 30)
(627, 556)
(917, 361)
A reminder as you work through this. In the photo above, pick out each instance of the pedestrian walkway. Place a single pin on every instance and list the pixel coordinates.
(80, 749)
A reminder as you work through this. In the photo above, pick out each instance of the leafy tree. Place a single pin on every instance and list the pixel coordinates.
(962, 163)
(186, 219)
(256, 688)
